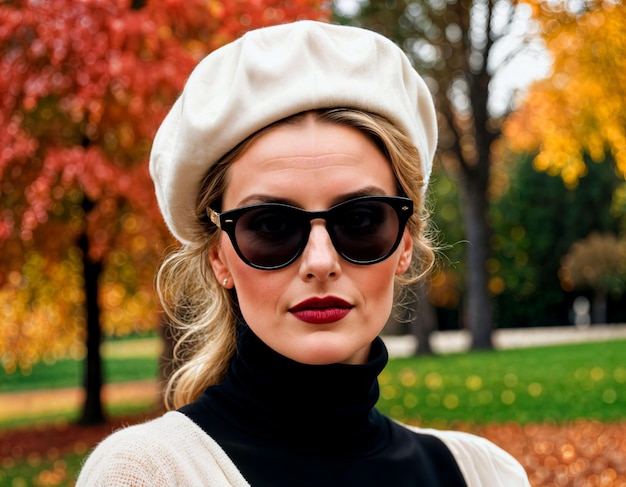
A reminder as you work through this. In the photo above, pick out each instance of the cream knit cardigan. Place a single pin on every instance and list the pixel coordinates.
(173, 451)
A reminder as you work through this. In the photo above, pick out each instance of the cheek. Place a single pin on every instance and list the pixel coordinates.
(258, 292)
(378, 288)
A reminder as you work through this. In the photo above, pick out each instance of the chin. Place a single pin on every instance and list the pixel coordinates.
(324, 352)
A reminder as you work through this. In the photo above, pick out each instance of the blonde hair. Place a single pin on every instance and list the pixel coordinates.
(204, 314)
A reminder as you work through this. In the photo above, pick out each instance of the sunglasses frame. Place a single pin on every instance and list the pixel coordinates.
(227, 222)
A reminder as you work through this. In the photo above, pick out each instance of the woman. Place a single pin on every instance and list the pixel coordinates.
(292, 169)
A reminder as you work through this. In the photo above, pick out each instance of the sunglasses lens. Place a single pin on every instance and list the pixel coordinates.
(269, 238)
(365, 231)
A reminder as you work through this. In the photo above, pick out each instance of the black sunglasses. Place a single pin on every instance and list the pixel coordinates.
(363, 230)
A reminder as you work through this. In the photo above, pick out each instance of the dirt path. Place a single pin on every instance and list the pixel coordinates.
(34, 404)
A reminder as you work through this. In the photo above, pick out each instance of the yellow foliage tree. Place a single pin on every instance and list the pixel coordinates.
(35, 322)
(581, 108)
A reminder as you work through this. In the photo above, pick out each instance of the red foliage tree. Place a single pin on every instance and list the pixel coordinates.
(83, 87)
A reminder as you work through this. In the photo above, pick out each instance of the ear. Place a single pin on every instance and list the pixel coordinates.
(406, 253)
(218, 264)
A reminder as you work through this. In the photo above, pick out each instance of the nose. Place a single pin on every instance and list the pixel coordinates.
(319, 260)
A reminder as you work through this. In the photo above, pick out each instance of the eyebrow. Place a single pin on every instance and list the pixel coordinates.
(255, 199)
(367, 191)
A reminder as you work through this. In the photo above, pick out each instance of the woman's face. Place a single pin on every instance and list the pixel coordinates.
(312, 165)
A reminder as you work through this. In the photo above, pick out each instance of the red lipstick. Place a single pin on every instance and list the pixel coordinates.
(321, 310)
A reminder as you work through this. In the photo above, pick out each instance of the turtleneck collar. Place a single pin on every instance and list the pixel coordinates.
(265, 394)
(284, 423)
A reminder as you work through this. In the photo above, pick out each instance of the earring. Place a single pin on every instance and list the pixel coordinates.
(225, 282)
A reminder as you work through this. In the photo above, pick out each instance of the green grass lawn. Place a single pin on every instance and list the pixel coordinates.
(556, 383)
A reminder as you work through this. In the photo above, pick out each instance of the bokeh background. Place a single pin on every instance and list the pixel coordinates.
(519, 333)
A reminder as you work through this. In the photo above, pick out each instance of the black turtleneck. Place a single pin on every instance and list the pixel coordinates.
(284, 423)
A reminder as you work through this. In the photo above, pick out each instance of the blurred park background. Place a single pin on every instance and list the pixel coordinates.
(519, 334)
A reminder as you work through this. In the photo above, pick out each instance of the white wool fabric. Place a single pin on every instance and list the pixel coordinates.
(272, 73)
(173, 451)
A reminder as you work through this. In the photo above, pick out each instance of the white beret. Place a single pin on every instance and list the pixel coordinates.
(272, 73)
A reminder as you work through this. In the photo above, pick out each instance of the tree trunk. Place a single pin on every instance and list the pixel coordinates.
(424, 320)
(475, 198)
(93, 380)
(478, 313)
(599, 307)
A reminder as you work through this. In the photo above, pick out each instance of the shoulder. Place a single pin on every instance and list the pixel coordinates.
(481, 461)
(167, 451)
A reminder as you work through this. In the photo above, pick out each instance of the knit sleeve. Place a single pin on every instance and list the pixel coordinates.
(481, 462)
(166, 452)
(128, 458)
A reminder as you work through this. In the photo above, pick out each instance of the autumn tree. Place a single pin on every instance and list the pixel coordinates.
(453, 45)
(83, 87)
(580, 109)
(597, 262)
(576, 118)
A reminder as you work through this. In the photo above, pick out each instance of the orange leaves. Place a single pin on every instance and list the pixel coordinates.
(107, 73)
(581, 109)
(582, 453)
(204, 25)
(101, 74)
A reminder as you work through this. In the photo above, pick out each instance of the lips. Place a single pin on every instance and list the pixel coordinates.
(321, 310)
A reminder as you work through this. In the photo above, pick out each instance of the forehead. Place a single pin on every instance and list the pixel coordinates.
(297, 162)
